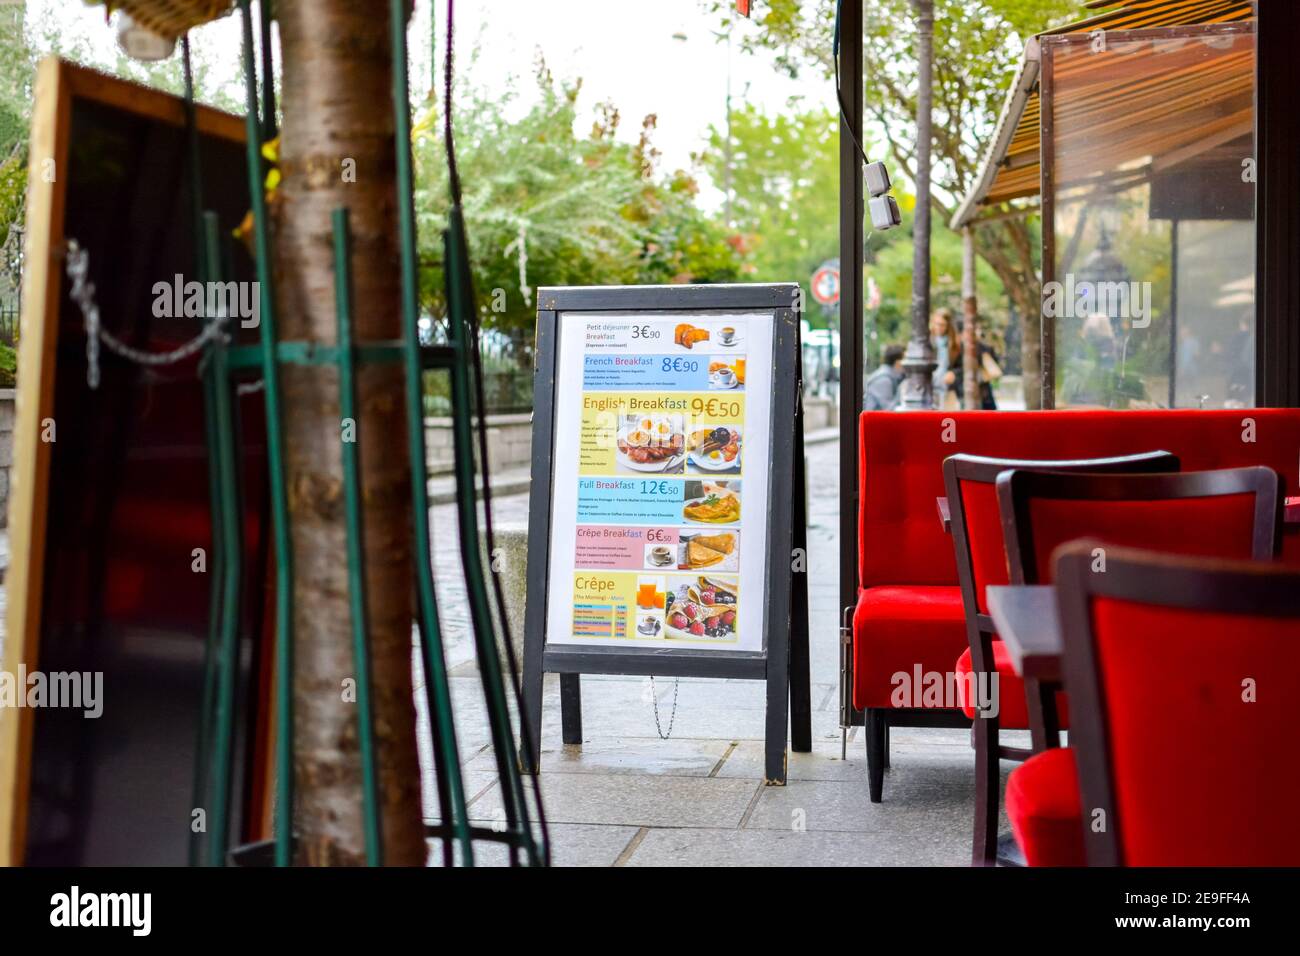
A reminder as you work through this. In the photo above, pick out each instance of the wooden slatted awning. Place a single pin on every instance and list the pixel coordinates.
(1010, 170)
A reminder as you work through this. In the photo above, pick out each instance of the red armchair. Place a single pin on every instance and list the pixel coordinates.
(1232, 512)
(1208, 650)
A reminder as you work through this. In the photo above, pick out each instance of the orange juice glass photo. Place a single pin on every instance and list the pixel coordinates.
(645, 594)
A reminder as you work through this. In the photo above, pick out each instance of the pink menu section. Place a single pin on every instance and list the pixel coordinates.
(625, 549)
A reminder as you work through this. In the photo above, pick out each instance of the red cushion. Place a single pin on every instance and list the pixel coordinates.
(988, 553)
(1045, 810)
(1203, 776)
(1221, 526)
(900, 467)
(1013, 709)
(895, 629)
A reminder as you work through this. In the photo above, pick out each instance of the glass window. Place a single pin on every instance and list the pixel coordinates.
(1149, 295)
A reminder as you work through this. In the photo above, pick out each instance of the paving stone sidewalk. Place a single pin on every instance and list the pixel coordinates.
(628, 798)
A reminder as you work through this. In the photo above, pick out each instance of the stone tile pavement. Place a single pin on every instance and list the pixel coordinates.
(628, 798)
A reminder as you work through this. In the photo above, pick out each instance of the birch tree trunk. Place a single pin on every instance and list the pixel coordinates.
(338, 149)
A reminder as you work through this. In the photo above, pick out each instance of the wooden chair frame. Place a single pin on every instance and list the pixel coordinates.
(959, 469)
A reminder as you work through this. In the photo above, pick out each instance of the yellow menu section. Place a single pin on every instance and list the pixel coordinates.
(603, 603)
(651, 433)
(621, 605)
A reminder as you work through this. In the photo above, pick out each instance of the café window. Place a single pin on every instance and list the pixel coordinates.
(1149, 213)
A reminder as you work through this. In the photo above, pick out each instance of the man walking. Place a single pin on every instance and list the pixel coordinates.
(880, 390)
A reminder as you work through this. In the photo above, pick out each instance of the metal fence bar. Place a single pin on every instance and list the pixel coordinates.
(228, 644)
(275, 460)
(451, 788)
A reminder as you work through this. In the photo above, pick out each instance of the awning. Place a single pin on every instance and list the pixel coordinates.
(1010, 169)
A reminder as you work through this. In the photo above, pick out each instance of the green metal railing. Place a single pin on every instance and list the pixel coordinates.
(221, 366)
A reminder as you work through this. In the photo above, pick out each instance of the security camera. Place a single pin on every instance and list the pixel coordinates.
(876, 177)
(883, 207)
(884, 213)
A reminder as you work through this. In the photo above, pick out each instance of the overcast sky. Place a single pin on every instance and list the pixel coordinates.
(647, 56)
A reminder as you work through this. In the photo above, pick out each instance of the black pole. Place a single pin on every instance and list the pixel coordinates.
(851, 239)
(1277, 208)
(270, 128)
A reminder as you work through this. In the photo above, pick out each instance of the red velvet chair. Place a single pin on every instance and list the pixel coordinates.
(909, 609)
(1207, 650)
(1231, 512)
(982, 560)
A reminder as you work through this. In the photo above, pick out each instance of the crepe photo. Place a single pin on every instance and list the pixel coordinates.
(718, 550)
(702, 608)
(712, 502)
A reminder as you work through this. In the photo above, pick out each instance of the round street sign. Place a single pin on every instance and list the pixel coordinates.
(826, 284)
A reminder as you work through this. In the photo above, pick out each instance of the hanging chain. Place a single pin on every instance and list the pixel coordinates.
(83, 293)
(654, 699)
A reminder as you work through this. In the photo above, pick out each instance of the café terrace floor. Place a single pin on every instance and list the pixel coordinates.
(628, 798)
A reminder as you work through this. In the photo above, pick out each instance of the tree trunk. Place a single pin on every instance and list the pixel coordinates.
(338, 119)
(970, 316)
(1028, 296)
(1008, 249)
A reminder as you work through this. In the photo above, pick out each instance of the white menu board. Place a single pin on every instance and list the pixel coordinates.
(660, 477)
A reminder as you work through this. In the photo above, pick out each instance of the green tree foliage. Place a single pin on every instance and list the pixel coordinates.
(15, 78)
(547, 206)
(13, 196)
(892, 271)
(786, 206)
(785, 185)
(15, 107)
(217, 81)
(976, 48)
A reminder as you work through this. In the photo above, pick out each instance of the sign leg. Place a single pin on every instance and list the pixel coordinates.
(778, 713)
(800, 664)
(800, 673)
(571, 708)
(530, 750)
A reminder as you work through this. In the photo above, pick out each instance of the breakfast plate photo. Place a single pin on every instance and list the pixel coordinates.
(714, 448)
(653, 444)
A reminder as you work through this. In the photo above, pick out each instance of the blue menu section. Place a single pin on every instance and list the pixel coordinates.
(632, 373)
(647, 500)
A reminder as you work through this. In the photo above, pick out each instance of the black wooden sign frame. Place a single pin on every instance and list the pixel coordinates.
(784, 662)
